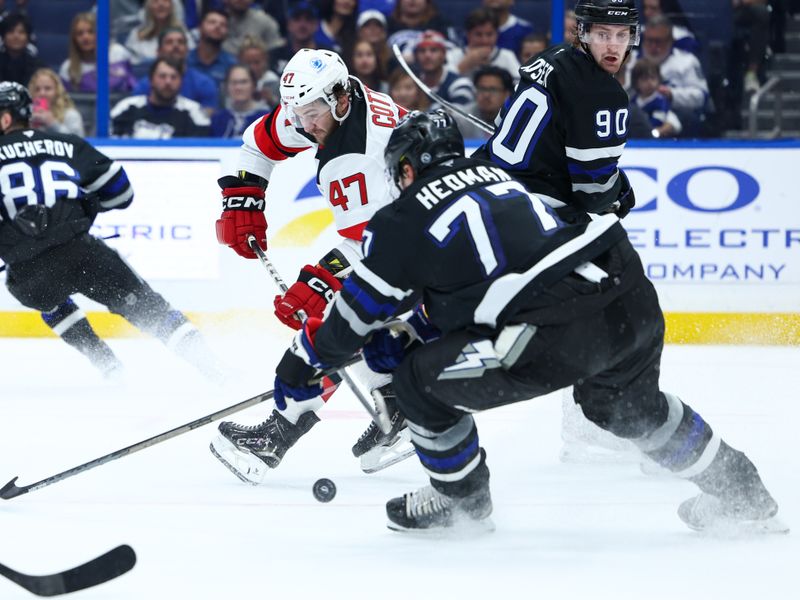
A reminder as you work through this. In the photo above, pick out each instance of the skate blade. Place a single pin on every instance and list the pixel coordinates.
(731, 528)
(462, 529)
(382, 457)
(246, 467)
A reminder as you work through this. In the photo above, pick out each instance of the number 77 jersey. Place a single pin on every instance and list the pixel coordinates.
(350, 166)
(563, 131)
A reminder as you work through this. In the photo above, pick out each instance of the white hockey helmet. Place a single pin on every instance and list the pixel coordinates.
(313, 75)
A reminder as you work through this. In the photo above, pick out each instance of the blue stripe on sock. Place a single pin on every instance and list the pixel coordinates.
(448, 463)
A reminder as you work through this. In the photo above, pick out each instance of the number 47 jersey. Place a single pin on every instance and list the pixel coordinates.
(563, 131)
(351, 172)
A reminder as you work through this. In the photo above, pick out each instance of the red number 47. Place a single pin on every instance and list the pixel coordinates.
(337, 195)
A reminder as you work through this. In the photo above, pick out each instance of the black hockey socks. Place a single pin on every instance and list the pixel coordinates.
(69, 322)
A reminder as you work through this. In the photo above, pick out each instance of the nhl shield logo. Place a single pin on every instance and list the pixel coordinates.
(317, 64)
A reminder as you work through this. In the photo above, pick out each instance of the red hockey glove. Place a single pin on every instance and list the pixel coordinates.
(242, 216)
(311, 293)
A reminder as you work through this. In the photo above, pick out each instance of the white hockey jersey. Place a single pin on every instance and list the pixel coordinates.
(350, 166)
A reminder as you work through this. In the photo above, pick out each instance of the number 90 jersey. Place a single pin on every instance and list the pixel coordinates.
(563, 131)
(351, 172)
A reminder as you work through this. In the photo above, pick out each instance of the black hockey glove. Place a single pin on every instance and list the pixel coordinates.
(626, 199)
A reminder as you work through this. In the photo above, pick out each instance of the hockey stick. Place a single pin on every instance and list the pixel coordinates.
(99, 570)
(11, 490)
(380, 416)
(480, 123)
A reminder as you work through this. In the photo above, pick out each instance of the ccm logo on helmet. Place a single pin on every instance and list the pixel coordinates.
(618, 13)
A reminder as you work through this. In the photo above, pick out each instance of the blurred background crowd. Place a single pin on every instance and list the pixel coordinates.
(190, 68)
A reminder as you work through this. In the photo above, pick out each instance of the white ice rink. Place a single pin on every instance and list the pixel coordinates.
(577, 531)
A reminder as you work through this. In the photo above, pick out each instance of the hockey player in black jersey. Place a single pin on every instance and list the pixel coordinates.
(564, 129)
(525, 303)
(52, 186)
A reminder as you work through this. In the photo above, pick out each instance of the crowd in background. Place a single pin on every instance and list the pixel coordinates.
(181, 68)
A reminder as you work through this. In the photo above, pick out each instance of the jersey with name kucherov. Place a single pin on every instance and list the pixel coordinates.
(470, 242)
(59, 172)
(563, 131)
(351, 173)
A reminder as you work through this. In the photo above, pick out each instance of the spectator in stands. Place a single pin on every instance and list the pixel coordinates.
(646, 81)
(301, 25)
(246, 20)
(684, 83)
(194, 85)
(410, 18)
(682, 36)
(53, 110)
(162, 113)
(570, 27)
(367, 68)
(532, 44)
(79, 71)
(254, 55)
(142, 41)
(493, 86)
(17, 62)
(405, 92)
(511, 28)
(430, 56)
(337, 26)
(241, 107)
(371, 26)
(193, 10)
(208, 57)
(481, 49)
(751, 22)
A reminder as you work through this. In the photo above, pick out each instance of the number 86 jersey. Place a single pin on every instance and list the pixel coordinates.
(350, 166)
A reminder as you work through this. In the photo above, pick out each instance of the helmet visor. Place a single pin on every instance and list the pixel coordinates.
(603, 33)
(302, 117)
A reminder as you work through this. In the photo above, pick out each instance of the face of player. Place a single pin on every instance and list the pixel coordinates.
(164, 85)
(85, 38)
(482, 35)
(608, 45)
(44, 87)
(316, 120)
(430, 58)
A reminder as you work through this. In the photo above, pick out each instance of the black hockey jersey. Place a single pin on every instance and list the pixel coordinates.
(563, 131)
(59, 183)
(469, 241)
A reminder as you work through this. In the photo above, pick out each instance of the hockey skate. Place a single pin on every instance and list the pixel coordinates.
(378, 450)
(428, 510)
(251, 451)
(741, 516)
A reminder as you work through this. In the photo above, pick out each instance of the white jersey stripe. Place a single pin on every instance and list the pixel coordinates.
(104, 178)
(589, 154)
(505, 288)
(381, 286)
(596, 188)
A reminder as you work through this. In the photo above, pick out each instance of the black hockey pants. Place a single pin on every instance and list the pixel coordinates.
(88, 266)
(611, 356)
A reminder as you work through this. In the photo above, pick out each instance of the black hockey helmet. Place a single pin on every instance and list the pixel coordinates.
(15, 99)
(607, 12)
(422, 140)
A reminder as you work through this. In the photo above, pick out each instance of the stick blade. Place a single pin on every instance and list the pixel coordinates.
(99, 570)
(10, 490)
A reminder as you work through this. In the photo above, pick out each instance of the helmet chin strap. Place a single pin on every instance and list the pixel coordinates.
(344, 116)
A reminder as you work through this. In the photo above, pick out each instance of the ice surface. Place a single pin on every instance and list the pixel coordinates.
(563, 530)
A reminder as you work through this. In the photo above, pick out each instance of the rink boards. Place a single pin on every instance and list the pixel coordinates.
(717, 226)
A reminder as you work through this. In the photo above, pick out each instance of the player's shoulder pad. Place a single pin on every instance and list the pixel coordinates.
(546, 67)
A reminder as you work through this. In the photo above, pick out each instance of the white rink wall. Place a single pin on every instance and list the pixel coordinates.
(718, 227)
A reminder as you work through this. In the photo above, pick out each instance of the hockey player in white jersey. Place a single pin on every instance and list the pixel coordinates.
(348, 125)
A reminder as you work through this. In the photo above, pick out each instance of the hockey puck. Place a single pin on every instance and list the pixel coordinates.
(324, 490)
